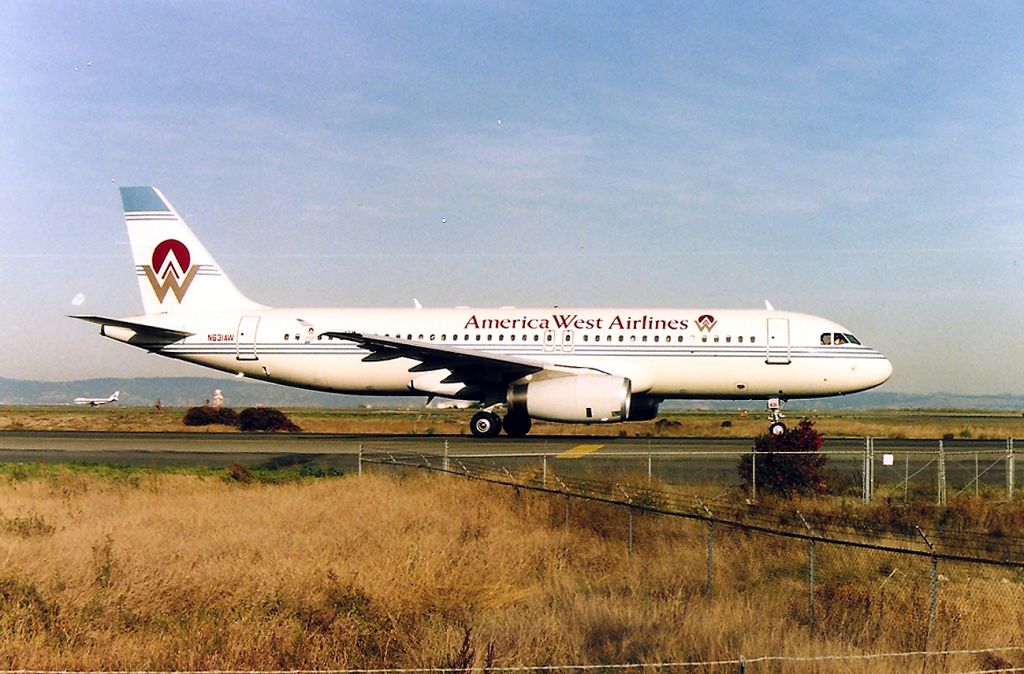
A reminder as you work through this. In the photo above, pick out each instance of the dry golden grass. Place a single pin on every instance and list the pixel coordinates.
(902, 424)
(164, 571)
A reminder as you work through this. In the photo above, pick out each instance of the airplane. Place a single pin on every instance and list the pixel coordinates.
(571, 365)
(96, 402)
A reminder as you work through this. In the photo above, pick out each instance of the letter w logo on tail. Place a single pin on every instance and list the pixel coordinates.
(171, 269)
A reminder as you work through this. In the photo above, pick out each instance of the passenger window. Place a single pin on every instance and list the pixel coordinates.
(739, 339)
(703, 338)
(286, 336)
(645, 338)
(656, 338)
(478, 338)
(632, 338)
(622, 338)
(728, 339)
(752, 340)
(826, 339)
(716, 339)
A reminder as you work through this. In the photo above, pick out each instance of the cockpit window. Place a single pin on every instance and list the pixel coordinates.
(838, 338)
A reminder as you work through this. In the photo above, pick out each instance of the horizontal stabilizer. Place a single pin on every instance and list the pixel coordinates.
(141, 329)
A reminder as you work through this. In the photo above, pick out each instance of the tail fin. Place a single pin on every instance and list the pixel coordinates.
(176, 273)
(115, 396)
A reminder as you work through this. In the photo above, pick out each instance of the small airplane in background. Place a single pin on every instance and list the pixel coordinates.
(96, 402)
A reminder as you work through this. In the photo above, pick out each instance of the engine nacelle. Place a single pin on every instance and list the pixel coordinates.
(585, 398)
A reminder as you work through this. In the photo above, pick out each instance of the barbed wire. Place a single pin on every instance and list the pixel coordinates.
(863, 657)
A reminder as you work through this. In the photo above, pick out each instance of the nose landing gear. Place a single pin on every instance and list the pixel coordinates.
(776, 427)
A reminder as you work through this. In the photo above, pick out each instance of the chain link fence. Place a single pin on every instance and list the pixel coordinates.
(865, 468)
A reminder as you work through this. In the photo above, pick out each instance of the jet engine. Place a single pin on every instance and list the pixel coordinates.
(643, 408)
(585, 398)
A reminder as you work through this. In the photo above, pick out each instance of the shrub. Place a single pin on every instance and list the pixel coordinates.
(206, 415)
(781, 470)
(265, 419)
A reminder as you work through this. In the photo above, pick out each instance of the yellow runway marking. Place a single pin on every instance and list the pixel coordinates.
(578, 451)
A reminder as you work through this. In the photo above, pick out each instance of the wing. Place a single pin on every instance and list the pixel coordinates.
(471, 368)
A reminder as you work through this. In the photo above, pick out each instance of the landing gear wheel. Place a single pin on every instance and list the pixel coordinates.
(517, 425)
(776, 427)
(485, 425)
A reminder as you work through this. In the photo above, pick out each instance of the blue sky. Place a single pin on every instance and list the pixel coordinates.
(861, 161)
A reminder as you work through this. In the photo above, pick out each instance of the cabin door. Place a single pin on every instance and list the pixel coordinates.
(245, 342)
(778, 342)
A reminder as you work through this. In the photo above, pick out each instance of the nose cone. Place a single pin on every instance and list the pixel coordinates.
(876, 371)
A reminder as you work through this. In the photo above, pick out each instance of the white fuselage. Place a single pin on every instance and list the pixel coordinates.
(665, 353)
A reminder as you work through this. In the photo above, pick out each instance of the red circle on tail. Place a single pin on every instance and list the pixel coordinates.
(175, 248)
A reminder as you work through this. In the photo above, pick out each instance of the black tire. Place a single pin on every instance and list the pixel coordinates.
(485, 425)
(777, 428)
(517, 425)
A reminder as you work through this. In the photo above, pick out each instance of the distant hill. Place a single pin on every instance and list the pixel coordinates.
(186, 391)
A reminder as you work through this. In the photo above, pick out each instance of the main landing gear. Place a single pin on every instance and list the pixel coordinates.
(776, 427)
(487, 424)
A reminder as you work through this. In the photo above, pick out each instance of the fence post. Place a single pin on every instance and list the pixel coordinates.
(753, 475)
(871, 482)
(359, 471)
(810, 571)
(941, 486)
(544, 471)
(1009, 469)
(977, 475)
(934, 600)
(906, 476)
(864, 473)
(566, 490)
(711, 550)
(650, 473)
(445, 462)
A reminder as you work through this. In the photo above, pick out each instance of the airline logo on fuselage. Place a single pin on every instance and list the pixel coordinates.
(706, 322)
(171, 269)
